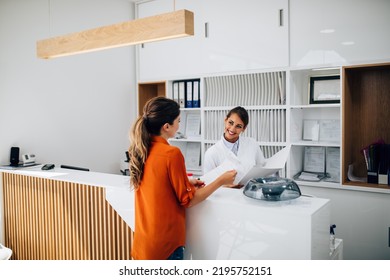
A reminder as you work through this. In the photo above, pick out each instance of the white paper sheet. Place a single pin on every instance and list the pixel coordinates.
(272, 165)
(245, 172)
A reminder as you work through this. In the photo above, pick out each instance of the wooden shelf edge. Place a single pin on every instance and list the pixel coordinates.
(366, 185)
(347, 186)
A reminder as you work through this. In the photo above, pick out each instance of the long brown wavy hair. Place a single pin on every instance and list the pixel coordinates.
(156, 112)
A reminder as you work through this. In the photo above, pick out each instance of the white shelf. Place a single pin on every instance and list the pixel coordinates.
(316, 143)
(248, 108)
(186, 140)
(272, 144)
(322, 184)
(315, 106)
(190, 109)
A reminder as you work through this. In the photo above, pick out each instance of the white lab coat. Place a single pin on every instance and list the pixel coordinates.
(249, 153)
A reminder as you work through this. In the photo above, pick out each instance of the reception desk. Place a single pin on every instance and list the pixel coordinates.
(69, 214)
(62, 214)
(229, 225)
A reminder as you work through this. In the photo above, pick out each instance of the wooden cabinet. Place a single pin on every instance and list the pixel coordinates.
(149, 90)
(366, 103)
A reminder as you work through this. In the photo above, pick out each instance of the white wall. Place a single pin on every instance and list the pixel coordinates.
(74, 110)
(362, 220)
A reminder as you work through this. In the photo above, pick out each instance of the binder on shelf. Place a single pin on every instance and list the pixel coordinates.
(372, 170)
(196, 94)
(189, 94)
(383, 168)
(377, 159)
(372, 177)
(182, 94)
(175, 91)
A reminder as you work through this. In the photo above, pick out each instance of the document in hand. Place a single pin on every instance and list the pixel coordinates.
(245, 172)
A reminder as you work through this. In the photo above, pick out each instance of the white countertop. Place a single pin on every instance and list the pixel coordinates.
(230, 225)
(118, 192)
(75, 176)
(302, 205)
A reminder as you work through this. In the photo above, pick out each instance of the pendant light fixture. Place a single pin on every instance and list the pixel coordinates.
(155, 28)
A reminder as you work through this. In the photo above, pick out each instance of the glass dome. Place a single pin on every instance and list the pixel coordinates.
(272, 189)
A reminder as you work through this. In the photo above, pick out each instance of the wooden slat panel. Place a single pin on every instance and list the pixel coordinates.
(45, 219)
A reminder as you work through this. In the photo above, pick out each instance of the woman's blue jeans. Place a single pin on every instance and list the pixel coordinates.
(178, 254)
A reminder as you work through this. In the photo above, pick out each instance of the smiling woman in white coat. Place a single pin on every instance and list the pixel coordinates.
(231, 144)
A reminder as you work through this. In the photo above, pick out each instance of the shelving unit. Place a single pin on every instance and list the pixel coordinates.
(300, 109)
(366, 102)
(278, 103)
(263, 94)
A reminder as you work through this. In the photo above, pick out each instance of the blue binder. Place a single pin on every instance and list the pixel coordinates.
(196, 94)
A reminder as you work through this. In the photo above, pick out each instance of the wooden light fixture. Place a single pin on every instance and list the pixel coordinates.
(155, 28)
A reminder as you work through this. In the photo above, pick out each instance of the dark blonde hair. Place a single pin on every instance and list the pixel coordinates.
(156, 112)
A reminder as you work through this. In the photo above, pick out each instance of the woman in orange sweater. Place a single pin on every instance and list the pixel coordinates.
(162, 189)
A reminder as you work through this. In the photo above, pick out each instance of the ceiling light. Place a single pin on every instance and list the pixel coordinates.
(155, 28)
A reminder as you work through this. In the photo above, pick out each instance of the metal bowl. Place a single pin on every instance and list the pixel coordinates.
(272, 189)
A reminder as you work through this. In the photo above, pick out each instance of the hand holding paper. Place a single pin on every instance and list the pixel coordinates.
(244, 172)
(219, 170)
